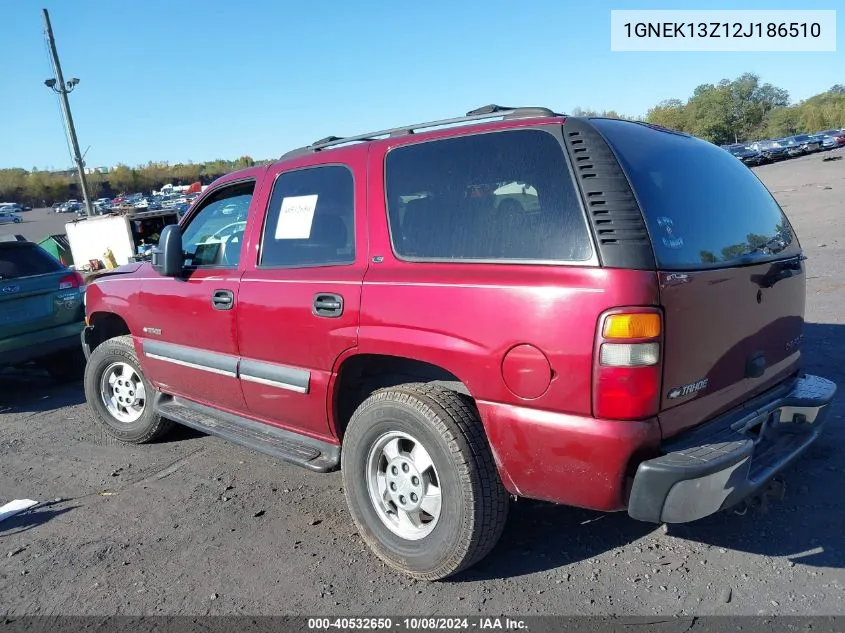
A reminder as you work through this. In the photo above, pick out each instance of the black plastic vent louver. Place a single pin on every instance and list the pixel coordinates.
(614, 215)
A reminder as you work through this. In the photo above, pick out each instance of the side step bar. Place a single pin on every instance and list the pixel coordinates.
(279, 443)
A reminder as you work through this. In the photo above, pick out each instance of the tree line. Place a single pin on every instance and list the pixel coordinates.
(745, 110)
(734, 110)
(742, 110)
(37, 187)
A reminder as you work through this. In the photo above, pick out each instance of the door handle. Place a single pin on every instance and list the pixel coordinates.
(223, 299)
(327, 305)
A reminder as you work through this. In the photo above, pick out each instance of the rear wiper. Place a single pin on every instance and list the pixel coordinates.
(782, 270)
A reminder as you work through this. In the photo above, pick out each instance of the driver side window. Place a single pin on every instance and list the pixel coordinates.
(214, 236)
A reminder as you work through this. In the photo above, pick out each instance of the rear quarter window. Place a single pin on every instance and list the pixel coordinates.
(703, 208)
(497, 197)
(25, 261)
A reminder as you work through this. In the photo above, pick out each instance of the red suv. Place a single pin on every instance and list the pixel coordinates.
(592, 312)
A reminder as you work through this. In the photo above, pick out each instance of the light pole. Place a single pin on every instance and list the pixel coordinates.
(63, 89)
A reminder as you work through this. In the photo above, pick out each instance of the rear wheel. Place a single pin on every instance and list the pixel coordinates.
(420, 481)
(117, 391)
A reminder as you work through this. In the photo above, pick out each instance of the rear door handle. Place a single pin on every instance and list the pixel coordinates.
(327, 305)
(223, 299)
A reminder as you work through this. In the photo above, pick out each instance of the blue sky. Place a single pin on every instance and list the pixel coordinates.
(195, 80)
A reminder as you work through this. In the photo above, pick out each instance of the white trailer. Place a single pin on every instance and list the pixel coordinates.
(111, 239)
(92, 238)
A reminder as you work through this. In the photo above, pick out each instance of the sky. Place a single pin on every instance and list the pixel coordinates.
(197, 80)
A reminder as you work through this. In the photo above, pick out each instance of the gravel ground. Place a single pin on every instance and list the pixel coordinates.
(197, 526)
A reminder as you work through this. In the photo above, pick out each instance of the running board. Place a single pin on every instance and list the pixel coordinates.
(285, 445)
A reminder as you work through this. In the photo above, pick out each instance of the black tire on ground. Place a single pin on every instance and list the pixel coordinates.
(66, 366)
(474, 504)
(149, 426)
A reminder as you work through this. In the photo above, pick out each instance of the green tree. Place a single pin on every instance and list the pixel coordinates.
(710, 113)
(123, 179)
(783, 122)
(670, 113)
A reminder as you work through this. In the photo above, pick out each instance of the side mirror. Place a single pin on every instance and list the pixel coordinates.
(168, 257)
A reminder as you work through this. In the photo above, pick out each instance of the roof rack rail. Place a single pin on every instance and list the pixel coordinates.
(486, 112)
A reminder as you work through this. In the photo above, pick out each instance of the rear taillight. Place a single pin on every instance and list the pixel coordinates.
(627, 364)
(73, 280)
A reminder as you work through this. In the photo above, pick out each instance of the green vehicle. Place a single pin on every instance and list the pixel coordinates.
(42, 311)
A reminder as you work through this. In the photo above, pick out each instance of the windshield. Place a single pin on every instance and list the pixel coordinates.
(704, 209)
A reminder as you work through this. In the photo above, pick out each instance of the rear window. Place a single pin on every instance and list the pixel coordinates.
(704, 209)
(25, 261)
(500, 196)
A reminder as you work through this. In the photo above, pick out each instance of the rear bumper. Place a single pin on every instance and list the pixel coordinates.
(568, 459)
(43, 343)
(721, 463)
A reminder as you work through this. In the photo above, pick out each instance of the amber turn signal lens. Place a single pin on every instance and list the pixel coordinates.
(627, 326)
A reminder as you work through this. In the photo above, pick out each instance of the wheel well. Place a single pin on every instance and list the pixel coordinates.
(107, 325)
(361, 375)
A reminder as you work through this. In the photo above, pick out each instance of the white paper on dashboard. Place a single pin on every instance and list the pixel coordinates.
(296, 217)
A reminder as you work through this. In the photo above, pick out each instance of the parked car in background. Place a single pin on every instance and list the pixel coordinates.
(747, 155)
(770, 150)
(12, 207)
(839, 137)
(7, 217)
(807, 142)
(41, 311)
(826, 141)
(628, 341)
(793, 149)
(69, 207)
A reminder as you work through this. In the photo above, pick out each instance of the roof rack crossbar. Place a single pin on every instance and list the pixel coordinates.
(487, 112)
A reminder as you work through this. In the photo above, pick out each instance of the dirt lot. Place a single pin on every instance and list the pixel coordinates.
(197, 526)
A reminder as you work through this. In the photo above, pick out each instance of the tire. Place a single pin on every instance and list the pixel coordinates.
(66, 366)
(473, 502)
(138, 423)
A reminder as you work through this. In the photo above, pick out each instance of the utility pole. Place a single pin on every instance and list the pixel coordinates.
(63, 89)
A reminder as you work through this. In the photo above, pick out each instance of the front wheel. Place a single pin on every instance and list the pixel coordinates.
(421, 482)
(120, 395)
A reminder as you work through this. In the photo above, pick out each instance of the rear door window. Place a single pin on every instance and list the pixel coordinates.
(704, 208)
(310, 219)
(25, 261)
(500, 196)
